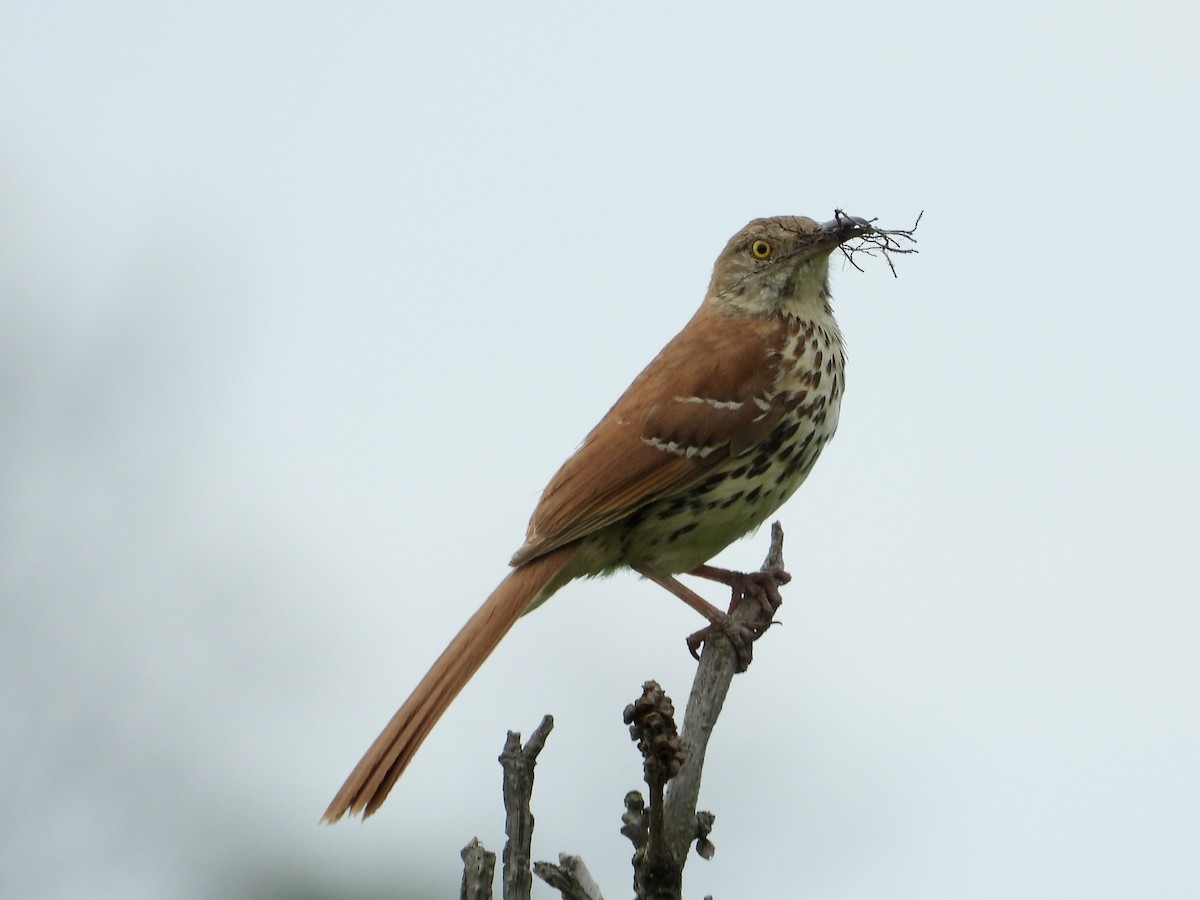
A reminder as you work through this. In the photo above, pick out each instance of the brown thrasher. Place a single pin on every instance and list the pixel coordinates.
(709, 440)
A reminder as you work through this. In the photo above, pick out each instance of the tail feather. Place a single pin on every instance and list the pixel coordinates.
(376, 773)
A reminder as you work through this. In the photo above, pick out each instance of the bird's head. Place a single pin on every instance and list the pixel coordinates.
(780, 265)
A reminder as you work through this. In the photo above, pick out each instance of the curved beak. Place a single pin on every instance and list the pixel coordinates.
(842, 227)
(832, 234)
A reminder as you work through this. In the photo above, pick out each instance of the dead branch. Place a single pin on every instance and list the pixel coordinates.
(518, 763)
(479, 870)
(714, 675)
(658, 867)
(570, 878)
(651, 721)
(672, 764)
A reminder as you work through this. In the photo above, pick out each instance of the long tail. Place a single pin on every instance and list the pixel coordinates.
(376, 773)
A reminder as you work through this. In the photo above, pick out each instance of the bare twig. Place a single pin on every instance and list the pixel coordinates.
(704, 824)
(635, 823)
(570, 878)
(714, 675)
(662, 833)
(885, 241)
(651, 721)
(479, 870)
(518, 763)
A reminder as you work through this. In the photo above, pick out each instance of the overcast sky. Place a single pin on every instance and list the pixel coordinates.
(301, 304)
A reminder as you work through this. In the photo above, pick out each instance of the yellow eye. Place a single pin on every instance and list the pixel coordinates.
(760, 249)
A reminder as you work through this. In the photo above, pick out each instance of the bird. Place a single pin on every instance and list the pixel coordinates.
(713, 436)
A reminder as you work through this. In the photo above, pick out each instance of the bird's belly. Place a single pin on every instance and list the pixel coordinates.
(676, 534)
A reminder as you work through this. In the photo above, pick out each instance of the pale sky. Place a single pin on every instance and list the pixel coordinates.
(301, 305)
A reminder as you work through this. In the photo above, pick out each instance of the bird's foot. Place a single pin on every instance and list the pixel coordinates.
(741, 636)
(762, 587)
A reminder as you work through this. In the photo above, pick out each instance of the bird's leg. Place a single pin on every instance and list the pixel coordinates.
(762, 586)
(740, 635)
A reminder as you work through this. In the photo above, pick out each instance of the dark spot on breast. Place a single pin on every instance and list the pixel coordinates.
(737, 473)
(802, 462)
(770, 445)
(711, 482)
(781, 435)
(638, 516)
(679, 532)
(674, 508)
(753, 495)
(762, 462)
(733, 498)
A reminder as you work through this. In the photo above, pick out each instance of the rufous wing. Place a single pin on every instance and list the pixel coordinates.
(707, 396)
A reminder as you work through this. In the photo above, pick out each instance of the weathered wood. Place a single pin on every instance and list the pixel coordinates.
(518, 763)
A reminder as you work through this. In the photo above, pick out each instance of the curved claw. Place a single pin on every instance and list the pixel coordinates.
(740, 636)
